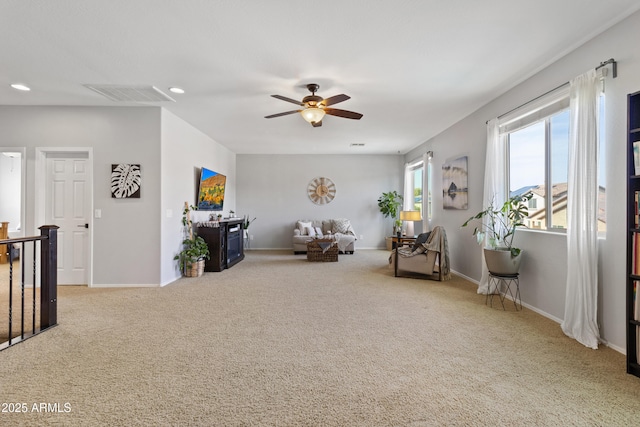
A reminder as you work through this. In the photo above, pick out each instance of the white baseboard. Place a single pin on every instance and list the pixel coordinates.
(466, 277)
(544, 314)
(126, 285)
(524, 304)
(358, 248)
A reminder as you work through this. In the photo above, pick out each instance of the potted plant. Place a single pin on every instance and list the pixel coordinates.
(498, 225)
(247, 222)
(245, 226)
(194, 249)
(390, 204)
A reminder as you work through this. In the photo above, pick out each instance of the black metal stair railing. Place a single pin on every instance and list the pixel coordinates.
(48, 295)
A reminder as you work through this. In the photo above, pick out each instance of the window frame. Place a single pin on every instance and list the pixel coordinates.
(412, 168)
(540, 109)
(548, 185)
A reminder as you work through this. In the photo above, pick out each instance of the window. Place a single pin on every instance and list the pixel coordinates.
(416, 171)
(417, 190)
(538, 161)
(528, 170)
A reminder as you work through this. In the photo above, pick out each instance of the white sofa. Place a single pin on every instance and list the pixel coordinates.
(339, 229)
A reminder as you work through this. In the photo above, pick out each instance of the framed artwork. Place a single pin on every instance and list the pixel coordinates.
(126, 180)
(454, 184)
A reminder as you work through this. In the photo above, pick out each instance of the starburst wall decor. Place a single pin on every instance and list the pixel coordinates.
(126, 180)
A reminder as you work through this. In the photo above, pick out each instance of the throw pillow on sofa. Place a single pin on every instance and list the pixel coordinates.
(341, 225)
(302, 226)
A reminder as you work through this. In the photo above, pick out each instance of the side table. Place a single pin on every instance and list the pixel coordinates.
(401, 241)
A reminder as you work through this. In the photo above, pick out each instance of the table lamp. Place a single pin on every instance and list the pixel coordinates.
(410, 217)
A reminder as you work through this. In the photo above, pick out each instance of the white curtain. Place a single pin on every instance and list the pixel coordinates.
(407, 196)
(408, 188)
(426, 220)
(494, 183)
(581, 307)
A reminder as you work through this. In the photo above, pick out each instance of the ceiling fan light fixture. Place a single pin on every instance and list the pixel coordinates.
(312, 114)
(20, 86)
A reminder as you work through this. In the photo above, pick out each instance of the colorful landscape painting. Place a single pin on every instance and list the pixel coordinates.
(211, 190)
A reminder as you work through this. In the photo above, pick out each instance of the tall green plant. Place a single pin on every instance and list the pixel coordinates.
(389, 204)
(501, 222)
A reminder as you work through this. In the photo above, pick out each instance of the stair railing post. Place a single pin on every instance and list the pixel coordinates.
(48, 276)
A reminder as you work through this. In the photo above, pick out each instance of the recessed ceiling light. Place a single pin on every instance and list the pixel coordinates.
(20, 87)
(176, 90)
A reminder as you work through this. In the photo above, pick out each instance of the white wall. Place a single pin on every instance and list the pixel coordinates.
(135, 241)
(273, 188)
(543, 274)
(126, 248)
(184, 151)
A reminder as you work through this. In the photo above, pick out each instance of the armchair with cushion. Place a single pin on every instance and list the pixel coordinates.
(429, 256)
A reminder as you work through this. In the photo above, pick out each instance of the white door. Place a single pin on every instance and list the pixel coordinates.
(67, 205)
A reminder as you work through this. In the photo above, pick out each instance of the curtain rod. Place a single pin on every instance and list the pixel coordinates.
(611, 61)
(614, 66)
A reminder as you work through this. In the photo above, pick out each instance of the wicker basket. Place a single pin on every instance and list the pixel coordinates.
(195, 269)
(315, 253)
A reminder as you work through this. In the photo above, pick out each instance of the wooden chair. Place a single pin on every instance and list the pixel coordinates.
(432, 262)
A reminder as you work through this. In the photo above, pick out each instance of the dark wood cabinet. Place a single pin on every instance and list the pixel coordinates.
(225, 243)
(633, 234)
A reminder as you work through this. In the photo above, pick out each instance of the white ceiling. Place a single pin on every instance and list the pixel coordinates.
(412, 67)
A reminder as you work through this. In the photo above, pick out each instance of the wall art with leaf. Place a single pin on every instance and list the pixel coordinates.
(126, 180)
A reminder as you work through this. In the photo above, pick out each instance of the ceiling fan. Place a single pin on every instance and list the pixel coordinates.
(315, 107)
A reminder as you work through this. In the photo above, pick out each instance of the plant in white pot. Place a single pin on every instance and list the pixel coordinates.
(498, 225)
(194, 249)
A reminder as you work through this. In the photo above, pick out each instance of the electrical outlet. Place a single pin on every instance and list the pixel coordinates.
(251, 237)
(362, 237)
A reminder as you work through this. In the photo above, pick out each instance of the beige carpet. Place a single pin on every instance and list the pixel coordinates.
(278, 341)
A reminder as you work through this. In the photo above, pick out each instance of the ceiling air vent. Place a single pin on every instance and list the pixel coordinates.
(357, 145)
(122, 93)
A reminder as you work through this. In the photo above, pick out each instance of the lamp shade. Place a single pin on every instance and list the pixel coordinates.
(410, 216)
(312, 114)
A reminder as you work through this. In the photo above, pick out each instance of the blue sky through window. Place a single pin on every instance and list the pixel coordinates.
(527, 153)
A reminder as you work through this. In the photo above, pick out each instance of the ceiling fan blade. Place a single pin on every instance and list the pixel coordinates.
(343, 113)
(286, 113)
(284, 98)
(335, 99)
(316, 124)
